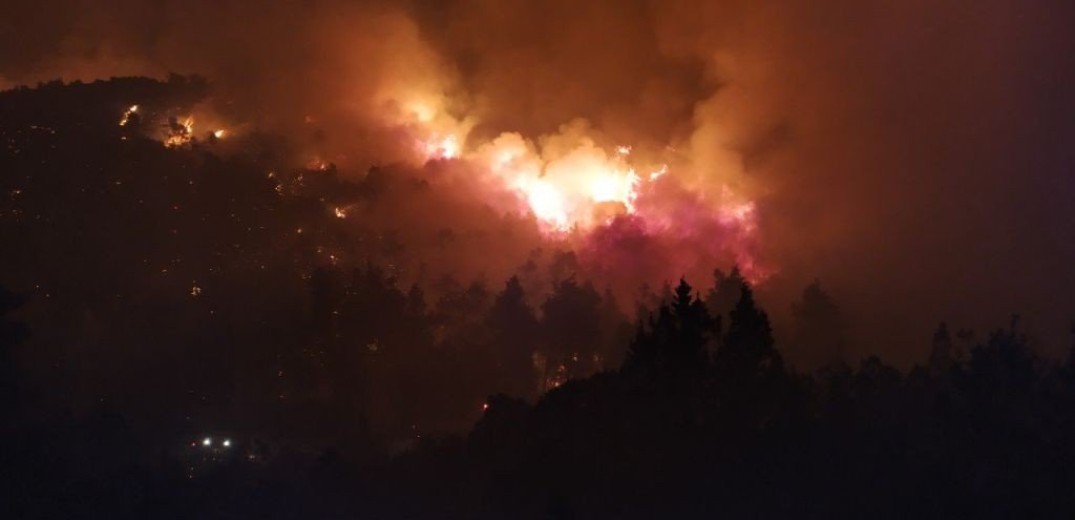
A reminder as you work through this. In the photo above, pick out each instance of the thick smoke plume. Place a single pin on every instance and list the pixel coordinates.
(914, 156)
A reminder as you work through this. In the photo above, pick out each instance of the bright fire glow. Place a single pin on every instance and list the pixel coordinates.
(127, 115)
(573, 181)
(442, 148)
(180, 133)
(546, 202)
(568, 181)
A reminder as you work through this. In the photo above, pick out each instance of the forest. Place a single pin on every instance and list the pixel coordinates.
(208, 330)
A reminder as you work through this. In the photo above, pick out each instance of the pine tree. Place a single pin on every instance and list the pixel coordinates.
(819, 327)
(693, 329)
(642, 351)
(726, 291)
(510, 314)
(941, 358)
(677, 339)
(747, 352)
(615, 331)
(571, 326)
(513, 328)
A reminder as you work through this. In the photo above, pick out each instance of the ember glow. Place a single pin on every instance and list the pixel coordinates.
(574, 180)
(566, 180)
(179, 133)
(588, 193)
(127, 115)
(442, 147)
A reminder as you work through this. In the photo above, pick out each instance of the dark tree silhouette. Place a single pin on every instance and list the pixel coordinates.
(819, 327)
(460, 311)
(615, 333)
(571, 328)
(695, 330)
(725, 293)
(326, 296)
(514, 330)
(747, 351)
(11, 334)
(676, 343)
(644, 349)
(1004, 369)
(416, 317)
(943, 358)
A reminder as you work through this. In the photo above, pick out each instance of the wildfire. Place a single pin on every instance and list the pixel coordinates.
(175, 132)
(442, 148)
(570, 182)
(546, 202)
(565, 180)
(317, 164)
(573, 186)
(179, 133)
(573, 181)
(128, 114)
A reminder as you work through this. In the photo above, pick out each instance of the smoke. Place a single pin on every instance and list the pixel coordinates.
(914, 156)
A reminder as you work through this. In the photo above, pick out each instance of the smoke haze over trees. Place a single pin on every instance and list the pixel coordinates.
(912, 153)
(476, 259)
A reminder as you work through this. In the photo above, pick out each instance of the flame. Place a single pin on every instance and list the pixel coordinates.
(127, 115)
(546, 202)
(442, 148)
(573, 184)
(425, 116)
(175, 132)
(179, 133)
(565, 180)
(570, 182)
(422, 111)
